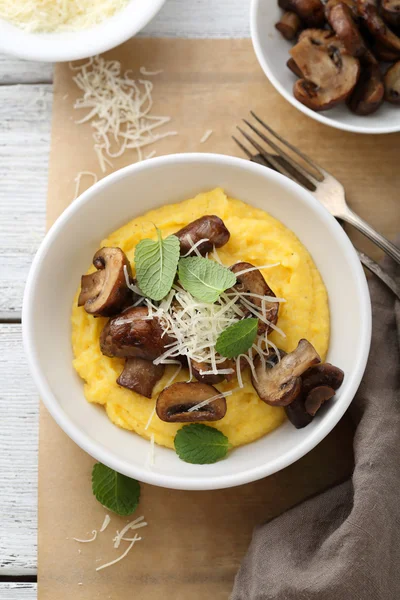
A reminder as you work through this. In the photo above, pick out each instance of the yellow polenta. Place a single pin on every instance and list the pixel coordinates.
(256, 237)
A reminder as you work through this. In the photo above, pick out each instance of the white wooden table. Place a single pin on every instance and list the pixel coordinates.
(25, 114)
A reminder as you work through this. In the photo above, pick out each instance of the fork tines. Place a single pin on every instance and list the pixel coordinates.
(280, 159)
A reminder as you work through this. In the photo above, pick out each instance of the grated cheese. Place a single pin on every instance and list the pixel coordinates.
(136, 524)
(153, 412)
(119, 109)
(206, 136)
(106, 523)
(78, 179)
(113, 562)
(94, 536)
(58, 15)
(147, 73)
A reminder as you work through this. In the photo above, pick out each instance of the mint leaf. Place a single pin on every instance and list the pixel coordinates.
(156, 262)
(237, 338)
(201, 445)
(204, 278)
(115, 491)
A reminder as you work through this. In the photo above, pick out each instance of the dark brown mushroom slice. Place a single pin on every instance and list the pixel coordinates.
(253, 282)
(323, 374)
(140, 376)
(174, 402)
(369, 11)
(330, 75)
(311, 12)
(390, 11)
(281, 384)
(211, 378)
(297, 414)
(369, 92)
(105, 293)
(209, 227)
(130, 334)
(392, 84)
(342, 22)
(317, 397)
(291, 64)
(385, 54)
(289, 25)
(351, 4)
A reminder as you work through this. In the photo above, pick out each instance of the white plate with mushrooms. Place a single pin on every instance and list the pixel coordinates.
(108, 205)
(355, 55)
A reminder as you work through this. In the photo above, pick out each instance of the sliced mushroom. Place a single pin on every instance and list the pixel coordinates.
(368, 93)
(384, 53)
(197, 367)
(294, 68)
(289, 25)
(309, 11)
(140, 376)
(352, 4)
(105, 293)
(322, 375)
(368, 10)
(329, 75)
(341, 20)
(297, 414)
(209, 227)
(174, 402)
(390, 10)
(317, 397)
(392, 84)
(281, 384)
(130, 335)
(319, 37)
(253, 282)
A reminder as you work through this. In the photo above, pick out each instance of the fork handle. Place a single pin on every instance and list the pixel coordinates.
(391, 250)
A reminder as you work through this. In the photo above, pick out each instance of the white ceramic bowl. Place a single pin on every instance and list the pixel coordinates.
(67, 251)
(272, 51)
(68, 46)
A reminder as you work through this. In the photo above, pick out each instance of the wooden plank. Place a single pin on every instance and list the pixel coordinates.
(25, 114)
(18, 459)
(18, 591)
(14, 71)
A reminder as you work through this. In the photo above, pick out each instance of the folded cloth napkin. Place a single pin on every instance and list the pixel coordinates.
(344, 544)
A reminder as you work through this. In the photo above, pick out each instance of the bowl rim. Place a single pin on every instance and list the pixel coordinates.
(254, 6)
(95, 449)
(75, 45)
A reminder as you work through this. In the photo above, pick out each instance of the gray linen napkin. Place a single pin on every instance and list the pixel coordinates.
(344, 544)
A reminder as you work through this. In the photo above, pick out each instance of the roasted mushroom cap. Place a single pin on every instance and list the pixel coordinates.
(341, 20)
(392, 84)
(209, 227)
(329, 74)
(294, 68)
(386, 54)
(174, 402)
(281, 384)
(390, 10)
(323, 374)
(319, 37)
(368, 10)
(130, 335)
(351, 4)
(317, 397)
(211, 378)
(311, 12)
(289, 25)
(297, 414)
(105, 293)
(253, 282)
(140, 376)
(368, 93)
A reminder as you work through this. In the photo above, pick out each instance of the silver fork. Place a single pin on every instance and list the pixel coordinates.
(328, 190)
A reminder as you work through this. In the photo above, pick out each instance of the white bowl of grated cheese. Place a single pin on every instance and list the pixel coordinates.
(114, 201)
(60, 31)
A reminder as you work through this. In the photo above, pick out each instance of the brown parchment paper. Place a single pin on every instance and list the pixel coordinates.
(194, 542)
